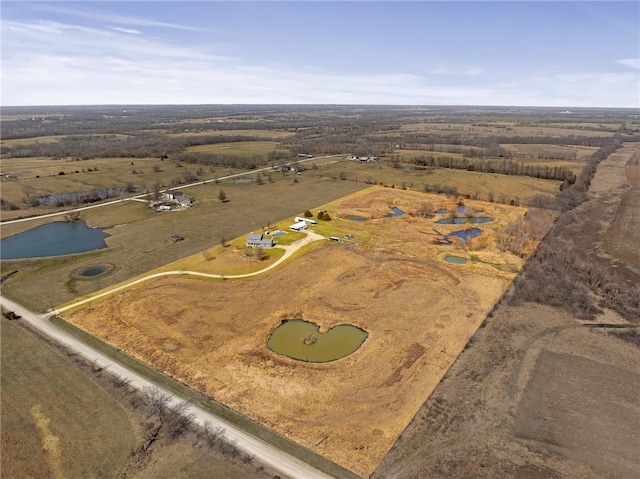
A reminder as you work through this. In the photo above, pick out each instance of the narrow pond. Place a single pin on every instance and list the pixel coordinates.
(53, 239)
(396, 212)
(302, 340)
(460, 220)
(455, 259)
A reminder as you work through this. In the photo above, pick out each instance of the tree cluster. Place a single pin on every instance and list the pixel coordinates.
(77, 197)
(501, 166)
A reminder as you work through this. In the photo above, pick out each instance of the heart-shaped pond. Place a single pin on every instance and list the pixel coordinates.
(302, 340)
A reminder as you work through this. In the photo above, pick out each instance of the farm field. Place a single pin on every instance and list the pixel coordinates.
(265, 134)
(485, 185)
(390, 280)
(141, 238)
(241, 149)
(369, 410)
(88, 434)
(540, 389)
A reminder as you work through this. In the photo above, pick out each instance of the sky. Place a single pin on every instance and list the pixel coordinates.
(506, 53)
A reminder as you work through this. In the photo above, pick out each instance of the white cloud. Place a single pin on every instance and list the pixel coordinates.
(630, 62)
(127, 30)
(46, 63)
(109, 18)
(452, 71)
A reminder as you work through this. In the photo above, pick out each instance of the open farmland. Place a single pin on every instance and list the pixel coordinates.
(390, 281)
(140, 238)
(485, 417)
(540, 389)
(241, 149)
(484, 186)
(88, 434)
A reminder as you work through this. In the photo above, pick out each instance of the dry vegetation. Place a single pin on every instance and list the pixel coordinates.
(86, 434)
(351, 410)
(539, 389)
(103, 427)
(484, 419)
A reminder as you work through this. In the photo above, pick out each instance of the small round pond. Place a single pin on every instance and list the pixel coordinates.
(91, 272)
(94, 271)
(302, 340)
(53, 239)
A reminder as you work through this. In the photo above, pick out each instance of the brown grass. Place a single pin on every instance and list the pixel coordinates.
(467, 182)
(55, 421)
(213, 335)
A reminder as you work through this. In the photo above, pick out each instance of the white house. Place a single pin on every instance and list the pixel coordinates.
(300, 219)
(299, 226)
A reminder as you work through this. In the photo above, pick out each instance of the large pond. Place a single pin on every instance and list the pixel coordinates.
(302, 340)
(53, 239)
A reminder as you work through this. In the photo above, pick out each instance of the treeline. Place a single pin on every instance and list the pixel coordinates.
(490, 141)
(144, 145)
(502, 166)
(571, 195)
(558, 276)
(75, 198)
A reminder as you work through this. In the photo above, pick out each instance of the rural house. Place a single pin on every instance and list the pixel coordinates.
(255, 240)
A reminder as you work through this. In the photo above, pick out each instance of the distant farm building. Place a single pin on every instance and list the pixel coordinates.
(299, 226)
(300, 219)
(364, 159)
(255, 240)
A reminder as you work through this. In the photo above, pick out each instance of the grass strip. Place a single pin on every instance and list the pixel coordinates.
(243, 422)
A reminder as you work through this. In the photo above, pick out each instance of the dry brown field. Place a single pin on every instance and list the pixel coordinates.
(266, 134)
(390, 280)
(55, 421)
(30, 141)
(496, 128)
(539, 393)
(533, 150)
(467, 182)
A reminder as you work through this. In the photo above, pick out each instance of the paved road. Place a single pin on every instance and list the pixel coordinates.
(138, 197)
(289, 250)
(262, 451)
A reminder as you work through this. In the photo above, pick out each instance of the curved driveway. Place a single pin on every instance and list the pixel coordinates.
(289, 250)
(262, 451)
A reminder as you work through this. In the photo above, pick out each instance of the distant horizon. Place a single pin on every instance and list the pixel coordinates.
(353, 105)
(561, 54)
